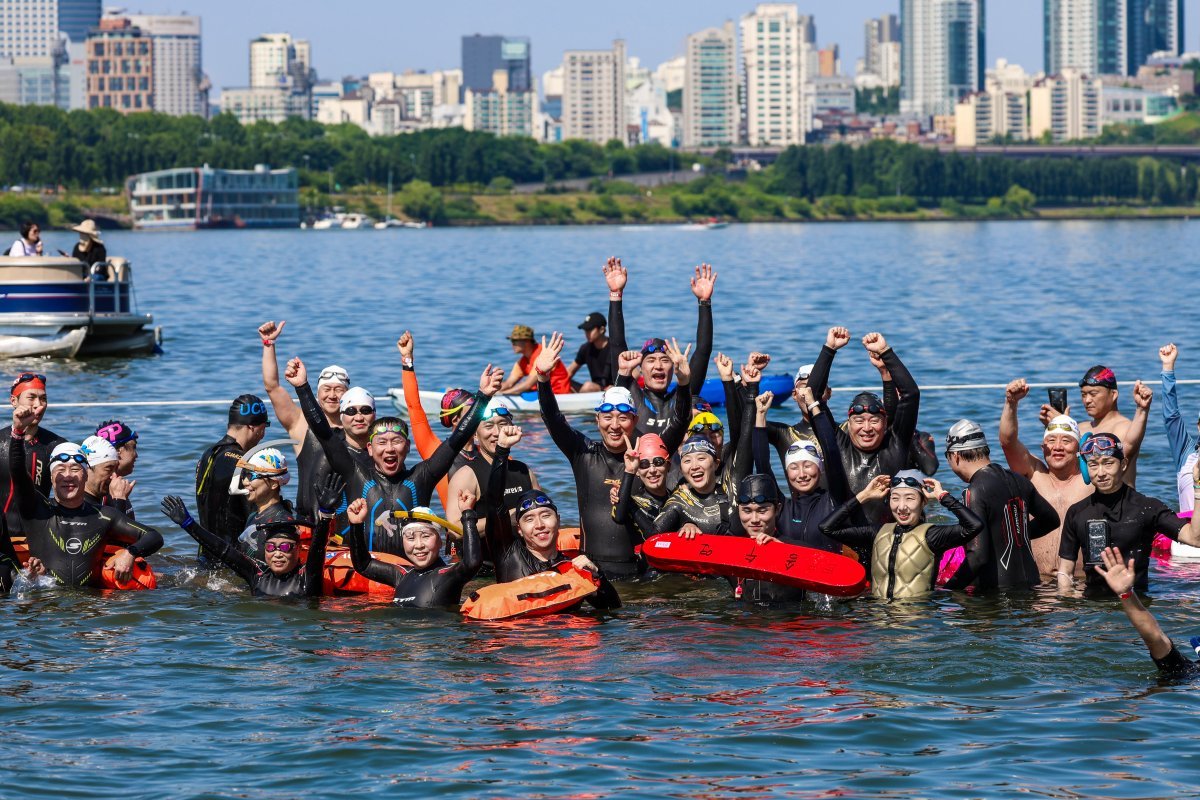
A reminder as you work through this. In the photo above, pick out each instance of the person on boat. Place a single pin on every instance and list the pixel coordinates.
(430, 582)
(276, 569)
(66, 534)
(90, 247)
(598, 465)
(1183, 443)
(120, 488)
(1121, 575)
(471, 478)
(386, 483)
(29, 392)
(521, 378)
(263, 476)
(594, 353)
(29, 243)
(1114, 515)
(874, 442)
(643, 490)
(221, 513)
(332, 385)
(654, 400)
(531, 545)
(905, 554)
(1056, 476)
(807, 501)
(1013, 513)
(1098, 389)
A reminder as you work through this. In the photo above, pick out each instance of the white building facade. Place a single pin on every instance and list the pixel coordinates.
(942, 54)
(710, 101)
(778, 57)
(593, 100)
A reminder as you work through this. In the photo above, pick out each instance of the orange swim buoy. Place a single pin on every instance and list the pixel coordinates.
(532, 596)
(141, 578)
(340, 577)
(570, 541)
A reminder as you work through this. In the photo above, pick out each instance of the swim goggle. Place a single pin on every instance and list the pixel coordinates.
(800, 447)
(702, 446)
(25, 377)
(700, 427)
(1100, 445)
(623, 408)
(283, 547)
(906, 480)
(652, 346)
(388, 427)
(647, 463)
(499, 411)
(871, 407)
(1105, 379)
(953, 440)
(334, 374)
(758, 499)
(1061, 427)
(66, 458)
(537, 501)
(353, 411)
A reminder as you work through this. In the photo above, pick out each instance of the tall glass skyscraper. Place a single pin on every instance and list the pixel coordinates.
(483, 55)
(1110, 37)
(77, 17)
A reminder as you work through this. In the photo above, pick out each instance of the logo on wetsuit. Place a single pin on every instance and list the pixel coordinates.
(74, 546)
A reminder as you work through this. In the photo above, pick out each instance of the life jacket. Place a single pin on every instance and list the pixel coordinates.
(537, 595)
(902, 566)
(340, 577)
(142, 577)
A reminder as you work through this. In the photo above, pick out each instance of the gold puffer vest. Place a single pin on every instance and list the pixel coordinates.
(902, 567)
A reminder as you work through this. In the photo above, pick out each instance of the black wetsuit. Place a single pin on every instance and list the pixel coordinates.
(124, 506)
(654, 409)
(597, 470)
(637, 507)
(312, 468)
(515, 560)
(220, 512)
(1131, 519)
(894, 453)
(251, 540)
(37, 467)
(10, 565)
(439, 585)
(305, 580)
(518, 480)
(1175, 665)
(1000, 556)
(407, 489)
(70, 541)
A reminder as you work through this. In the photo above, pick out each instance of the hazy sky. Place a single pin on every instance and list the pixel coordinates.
(354, 38)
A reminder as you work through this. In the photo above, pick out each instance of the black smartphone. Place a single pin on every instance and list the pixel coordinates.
(1097, 540)
(1058, 399)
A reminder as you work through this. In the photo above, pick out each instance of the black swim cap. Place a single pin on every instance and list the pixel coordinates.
(866, 403)
(532, 499)
(1099, 375)
(757, 489)
(282, 529)
(248, 409)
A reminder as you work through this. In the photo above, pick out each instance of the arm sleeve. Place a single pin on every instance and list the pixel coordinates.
(818, 379)
(1166, 521)
(616, 336)
(499, 527)
(733, 408)
(422, 432)
(704, 344)
(570, 441)
(367, 565)
(1068, 545)
(472, 551)
(339, 459)
(945, 537)
(762, 453)
(1177, 432)
(743, 455)
(314, 565)
(228, 552)
(681, 414)
(622, 512)
(835, 471)
(1043, 516)
(836, 526)
(909, 404)
(668, 519)
(606, 596)
(144, 541)
(890, 400)
(426, 474)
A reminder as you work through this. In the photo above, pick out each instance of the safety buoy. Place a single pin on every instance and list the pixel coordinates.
(340, 577)
(570, 541)
(141, 578)
(532, 596)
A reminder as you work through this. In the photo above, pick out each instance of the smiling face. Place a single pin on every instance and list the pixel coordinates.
(539, 529)
(906, 504)
(657, 371)
(278, 561)
(388, 451)
(614, 426)
(487, 435)
(260, 490)
(421, 545)
(1098, 400)
(700, 471)
(803, 476)
(1105, 472)
(1060, 451)
(758, 518)
(329, 395)
(69, 480)
(100, 476)
(866, 431)
(358, 423)
(654, 477)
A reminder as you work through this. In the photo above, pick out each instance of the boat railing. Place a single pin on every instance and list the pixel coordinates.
(109, 283)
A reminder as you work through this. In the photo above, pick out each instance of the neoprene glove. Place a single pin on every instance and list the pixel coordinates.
(329, 493)
(175, 510)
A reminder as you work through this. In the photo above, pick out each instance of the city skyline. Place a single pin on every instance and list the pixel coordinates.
(344, 46)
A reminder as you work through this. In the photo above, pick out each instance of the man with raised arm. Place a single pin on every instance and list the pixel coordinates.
(1183, 442)
(653, 398)
(1098, 389)
(28, 391)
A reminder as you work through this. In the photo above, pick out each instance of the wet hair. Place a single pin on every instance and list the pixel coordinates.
(27, 226)
(978, 454)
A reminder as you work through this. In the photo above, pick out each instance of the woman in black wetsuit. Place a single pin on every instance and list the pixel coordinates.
(643, 488)
(430, 582)
(277, 572)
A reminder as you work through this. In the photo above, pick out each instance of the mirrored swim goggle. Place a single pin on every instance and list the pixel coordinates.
(758, 499)
(905, 480)
(498, 411)
(1061, 427)
(283, 547)
(388, 427)
(334, 374)
(702, 446)
(652, 346)
(1101, 445)
(352, 411)
(700, 427)
(647, 463)
(67, 458)
(623, 408)
(537, 501)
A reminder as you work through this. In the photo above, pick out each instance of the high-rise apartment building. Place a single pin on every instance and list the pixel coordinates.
(1065, 106)
(501, 110)
(1109, 37)
(276, 59)
(778, 54)
(594, 94)
(829, 62)
(180, 86)
(942, 54)
(483, 55)
(877, 33)
(710, 102)
(120, 67)
(28, 29)
(77, 18)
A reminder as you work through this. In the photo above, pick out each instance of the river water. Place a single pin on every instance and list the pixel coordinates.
(195, 690)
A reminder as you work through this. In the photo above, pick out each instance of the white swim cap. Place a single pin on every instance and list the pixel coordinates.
(66, 453)
(98, 451)
(267, 463)
(1062, 424)
(334, 374)
(803, 451)
(355, 397)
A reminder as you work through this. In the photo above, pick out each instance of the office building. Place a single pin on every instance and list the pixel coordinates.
(28, 29)
(77, 18)
(281, 82)
(942, 54)
(1066, 107)
(710, 102)
(1110, 37)
(180, 86)
(829, 62)
(120, 67)
(877, 33)
(594, 94)
(825, 97)
(500, 110)
(251, 104)
(482, 56)
(777, 54)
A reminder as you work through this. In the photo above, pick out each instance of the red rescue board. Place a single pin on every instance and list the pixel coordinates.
(739, 557)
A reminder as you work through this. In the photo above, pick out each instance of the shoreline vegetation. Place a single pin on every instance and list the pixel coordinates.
(59, 167)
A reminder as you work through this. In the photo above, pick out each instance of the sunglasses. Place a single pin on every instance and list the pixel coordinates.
(283, 547)
(67, 458)
(758, 499)
(624, 408)
(496, 412)
(700, 427)
(1101, 445)
(540, 501)
(907, 481)
(647, 463)
(651, 347)
(807, 448)
(866, 408)
(363, 411)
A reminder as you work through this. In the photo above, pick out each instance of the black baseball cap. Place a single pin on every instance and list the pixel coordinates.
(593, 320)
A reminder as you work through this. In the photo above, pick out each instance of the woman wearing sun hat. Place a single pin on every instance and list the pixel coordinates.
(90, 248)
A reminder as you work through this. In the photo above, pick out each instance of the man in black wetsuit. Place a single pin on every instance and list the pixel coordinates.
(654, 400)
(430, 582)
(220, 512)
(67, 535)
(872, 446)
(1120, 575)
(276, 570)
(595, 354)
(28, 391)
(386, 484)
(471, 478)
(599, 465)
(1013, 513)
